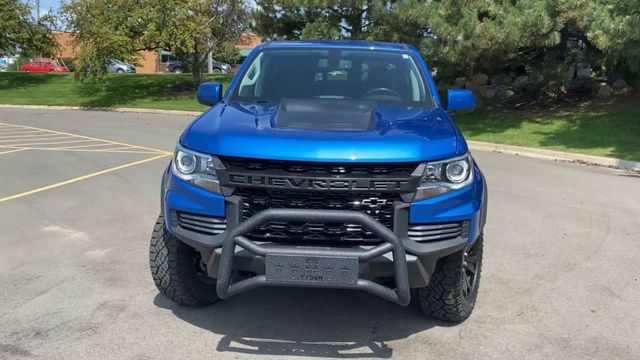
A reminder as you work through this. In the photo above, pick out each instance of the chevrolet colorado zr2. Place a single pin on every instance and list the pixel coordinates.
(327, 164)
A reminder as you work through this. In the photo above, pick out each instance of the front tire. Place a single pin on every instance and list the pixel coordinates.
(120, 71)
(453, 289)
(177, 270)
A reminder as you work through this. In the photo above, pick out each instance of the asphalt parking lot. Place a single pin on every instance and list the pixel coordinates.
(79, 193)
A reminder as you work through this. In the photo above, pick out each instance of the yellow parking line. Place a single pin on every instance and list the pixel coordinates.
(92, 138)
(80, 178)
(47, 143)
(42, 137)
(20, 131)
(98, 151)
(116, 148)
(12, 151)
(35, 133)
(86, 146)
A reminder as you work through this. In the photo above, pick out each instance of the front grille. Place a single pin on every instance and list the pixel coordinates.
(207, 225)
(318, 168)
(377, 205)
(437, 232)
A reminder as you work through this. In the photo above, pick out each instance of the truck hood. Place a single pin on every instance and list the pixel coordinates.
(269, 131)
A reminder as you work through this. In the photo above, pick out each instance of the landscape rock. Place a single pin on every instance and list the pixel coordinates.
(459, 82)
(583, 86)
(605, 90)
(505, 94)
(619, 84)
(613, 76)
(480, 79)
(583, 73)
(624, 90)
(488, 92)
(592, 85)
(520, 80)
(501, 79)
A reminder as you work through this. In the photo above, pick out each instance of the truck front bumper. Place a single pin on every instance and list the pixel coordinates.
(409, 263)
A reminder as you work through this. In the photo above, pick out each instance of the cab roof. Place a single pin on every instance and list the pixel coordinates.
(342, 44)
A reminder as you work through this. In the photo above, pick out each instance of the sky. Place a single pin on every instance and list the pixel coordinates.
(54, 5)
(45, 5)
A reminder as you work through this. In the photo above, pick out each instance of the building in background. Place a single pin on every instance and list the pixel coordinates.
(247, 44)
(150, 61)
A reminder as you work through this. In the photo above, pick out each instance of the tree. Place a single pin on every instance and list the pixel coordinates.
(460, 38)
(307, 19)
(483, 35)
(192, 29)
(21, 33)
(615, 30)
(456, 36)
(106, 29)
(122, 29)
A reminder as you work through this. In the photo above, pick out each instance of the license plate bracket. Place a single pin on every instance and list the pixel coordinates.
(304, 269)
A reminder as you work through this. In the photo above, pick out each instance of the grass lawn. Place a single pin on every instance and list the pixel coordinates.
(603, 127)
(608, 128)
(157, 91)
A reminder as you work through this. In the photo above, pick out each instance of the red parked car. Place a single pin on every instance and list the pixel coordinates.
(43, 66)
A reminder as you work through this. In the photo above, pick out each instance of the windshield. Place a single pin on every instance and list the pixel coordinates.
(384, 76)
(116, 61)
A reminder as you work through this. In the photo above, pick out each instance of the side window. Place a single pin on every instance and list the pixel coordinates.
(416, 89)
(249, 85)
(418, 92)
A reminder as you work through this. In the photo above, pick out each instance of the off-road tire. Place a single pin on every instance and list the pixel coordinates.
(445, 298)
(174, 270)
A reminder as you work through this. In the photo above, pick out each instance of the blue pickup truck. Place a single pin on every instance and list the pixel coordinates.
(327, 164)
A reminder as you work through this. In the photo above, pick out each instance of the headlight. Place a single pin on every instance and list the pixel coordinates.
(441, 177)
(196, 168)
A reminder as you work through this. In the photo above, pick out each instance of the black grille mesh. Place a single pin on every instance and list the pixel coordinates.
(377, 205)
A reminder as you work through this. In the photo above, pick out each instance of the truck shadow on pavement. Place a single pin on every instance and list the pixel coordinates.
(305, 322)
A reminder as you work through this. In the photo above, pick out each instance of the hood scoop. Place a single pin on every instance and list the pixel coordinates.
(326, 114)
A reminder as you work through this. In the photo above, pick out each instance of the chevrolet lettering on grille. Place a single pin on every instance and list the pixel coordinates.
(319, 184)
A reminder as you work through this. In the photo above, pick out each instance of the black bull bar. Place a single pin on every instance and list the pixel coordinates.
(234, 236)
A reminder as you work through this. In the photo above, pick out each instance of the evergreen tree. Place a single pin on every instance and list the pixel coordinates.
(482, 35)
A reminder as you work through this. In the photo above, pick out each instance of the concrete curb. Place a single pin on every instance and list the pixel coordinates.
(556, 155)
(118, 109)
(473, 145)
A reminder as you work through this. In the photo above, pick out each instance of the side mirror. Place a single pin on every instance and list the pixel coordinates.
(209, 93)
(459, 101)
